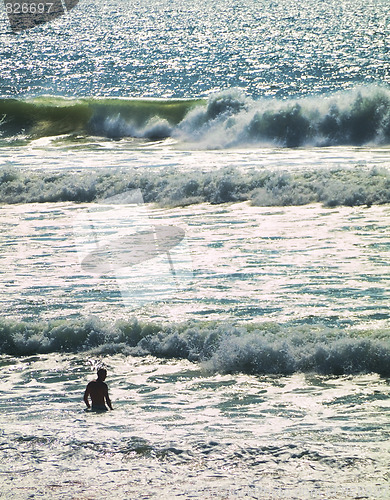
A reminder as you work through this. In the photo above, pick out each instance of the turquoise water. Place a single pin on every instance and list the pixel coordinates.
(196, 196)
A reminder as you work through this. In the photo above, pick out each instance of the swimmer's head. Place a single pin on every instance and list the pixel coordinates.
(102, 373)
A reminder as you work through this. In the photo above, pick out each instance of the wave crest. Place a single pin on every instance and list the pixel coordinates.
(266, 348)
(225, 119)
(230, 119)
(171, 187)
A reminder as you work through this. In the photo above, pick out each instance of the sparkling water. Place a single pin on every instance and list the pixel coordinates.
(196, 196)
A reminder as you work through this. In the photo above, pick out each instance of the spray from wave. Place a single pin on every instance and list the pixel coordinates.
(266, 348)
(226, 119)
(230, 119)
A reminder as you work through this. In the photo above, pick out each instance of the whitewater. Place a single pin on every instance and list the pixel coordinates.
(197, 198)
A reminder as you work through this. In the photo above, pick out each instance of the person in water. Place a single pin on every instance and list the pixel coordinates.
(97, 390)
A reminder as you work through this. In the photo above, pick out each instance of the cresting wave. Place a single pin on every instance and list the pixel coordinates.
(171, 187)
(266, 348)
(226, 119)
(113, 118)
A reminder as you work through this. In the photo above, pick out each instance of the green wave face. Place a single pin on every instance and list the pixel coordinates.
(50, 116)
(140, 111)
(42, 117)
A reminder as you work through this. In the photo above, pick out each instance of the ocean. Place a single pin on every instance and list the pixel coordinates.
(196, 196)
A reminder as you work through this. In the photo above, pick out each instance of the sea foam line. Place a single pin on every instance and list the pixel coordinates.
(172, 187)
(266, 348)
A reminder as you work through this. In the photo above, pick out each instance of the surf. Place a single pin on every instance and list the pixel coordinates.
(263, 348)
(113, 118)
(223, 120)
(172, 187)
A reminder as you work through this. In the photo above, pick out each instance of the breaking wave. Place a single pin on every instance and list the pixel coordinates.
(172, 187)
(266, 348)
(226, 119)
(112, 118)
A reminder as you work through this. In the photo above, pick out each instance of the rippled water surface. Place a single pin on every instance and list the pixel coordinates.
(250, 357)
(176, 431)
(248, 263)
(187, 49)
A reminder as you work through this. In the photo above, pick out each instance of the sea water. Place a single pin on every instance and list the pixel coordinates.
(248, 351)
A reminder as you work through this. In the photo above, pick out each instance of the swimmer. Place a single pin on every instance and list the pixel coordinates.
(97, 390)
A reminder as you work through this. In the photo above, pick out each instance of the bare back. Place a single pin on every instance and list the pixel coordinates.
(98, 391)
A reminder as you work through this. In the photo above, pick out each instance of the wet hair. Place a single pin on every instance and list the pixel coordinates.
(101, 371)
